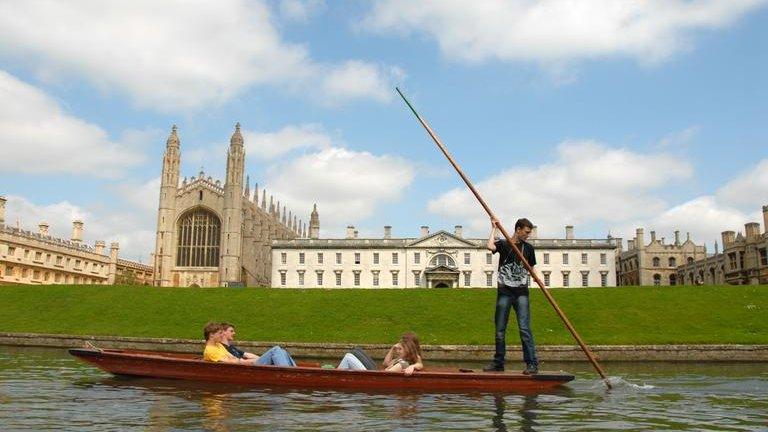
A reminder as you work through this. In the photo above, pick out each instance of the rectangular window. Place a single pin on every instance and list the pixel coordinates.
(488, 278)
(417, 278)
(26, 253)
(319, 278)
(489, 258)
(565, 258)
(57, 277)
(283, 258)
(357, 278)
(546, 258)
(282, 278)
(338, 278)
(38, 256)
(584, 258)
(546, 279)
(338, 257)
(394, 257)
(301, 257)
(467, 279)
(394, 278)
(375, 278)
(585, 279)
(58, 260)
(603, 279)
(319, 257)
(9, 270)
(301, 278)
(11, 251)
(77, 264)
(24, 273)
(566, 279)
(417, 258)
(764, 256)
(357, 257)
(47, 258)
(36, 274)
(603, 258)
(375, 257)
(466, 257)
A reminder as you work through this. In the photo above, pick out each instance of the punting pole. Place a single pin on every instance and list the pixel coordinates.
(506, 235)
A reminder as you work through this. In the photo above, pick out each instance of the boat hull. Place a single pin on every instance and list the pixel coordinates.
(189, 367)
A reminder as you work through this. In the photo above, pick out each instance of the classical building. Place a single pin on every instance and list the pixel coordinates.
(744, 259)
(655, 263)
(432, 260)
(28, 257)
(209, 234)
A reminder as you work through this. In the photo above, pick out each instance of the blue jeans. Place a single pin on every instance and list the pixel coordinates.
(520, 302)
(276, 356)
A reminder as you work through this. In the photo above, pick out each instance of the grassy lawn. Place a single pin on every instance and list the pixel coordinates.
(625, 315)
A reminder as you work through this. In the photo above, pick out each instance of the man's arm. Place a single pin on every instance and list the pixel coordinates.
(491, 246)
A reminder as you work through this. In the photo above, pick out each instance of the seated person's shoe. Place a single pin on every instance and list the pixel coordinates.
(494, 367)
(531, 370)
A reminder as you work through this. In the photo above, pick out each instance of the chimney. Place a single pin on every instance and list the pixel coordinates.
(663, 239)
(728, 238)
(356, 233)
(630, 245)
(387, 231)
(424, 231)
(677, 238)
(765, 215)
(653, 236)
(350, 231)
(458, 231)
(717, 249)
(114, 247)
(569, 232)
(43, 227)
(752, 230)
(77, 231)
(534, 232)
(99, 247)
(2, 210)
(639, 238)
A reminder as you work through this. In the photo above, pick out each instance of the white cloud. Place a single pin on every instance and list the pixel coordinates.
(748, 189)
(358, 80)
(588, 183)
(37, 136)
(135, 236)
(167, 55)
(553, 31)
(300, 10)
(269, 145)
(348, 186)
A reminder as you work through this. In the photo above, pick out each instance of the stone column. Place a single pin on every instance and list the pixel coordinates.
(2, 210)
(77, 231)
(114, 247)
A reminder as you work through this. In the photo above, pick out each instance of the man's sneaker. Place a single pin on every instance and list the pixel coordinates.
(494, 367)
(531, 370)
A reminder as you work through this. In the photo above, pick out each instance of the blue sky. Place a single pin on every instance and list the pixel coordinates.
(605, 115)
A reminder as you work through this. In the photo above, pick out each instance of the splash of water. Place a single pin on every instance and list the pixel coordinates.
(620, 383)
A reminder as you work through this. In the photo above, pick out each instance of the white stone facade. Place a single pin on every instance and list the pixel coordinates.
(438, 260)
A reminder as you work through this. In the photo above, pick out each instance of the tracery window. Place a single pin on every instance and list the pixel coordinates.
(199, 237)
(442, 260)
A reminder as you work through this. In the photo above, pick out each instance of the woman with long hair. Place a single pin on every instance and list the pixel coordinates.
(405, 356)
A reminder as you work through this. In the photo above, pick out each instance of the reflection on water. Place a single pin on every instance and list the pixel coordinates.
(48, 389)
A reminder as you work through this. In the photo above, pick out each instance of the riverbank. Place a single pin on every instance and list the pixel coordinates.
(605, 353)
(703, 315)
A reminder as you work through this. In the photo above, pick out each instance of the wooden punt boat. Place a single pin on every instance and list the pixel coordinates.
(311, 375)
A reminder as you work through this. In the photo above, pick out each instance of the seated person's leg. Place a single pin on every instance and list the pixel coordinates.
(267, 358)
(276, 356)
(351, 362)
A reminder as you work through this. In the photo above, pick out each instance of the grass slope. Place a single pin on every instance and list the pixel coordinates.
(624, 315)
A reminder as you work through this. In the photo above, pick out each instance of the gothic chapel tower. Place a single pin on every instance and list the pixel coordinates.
(169, 182)
(233, 210)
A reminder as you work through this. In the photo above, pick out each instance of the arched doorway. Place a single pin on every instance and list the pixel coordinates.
(441, 285)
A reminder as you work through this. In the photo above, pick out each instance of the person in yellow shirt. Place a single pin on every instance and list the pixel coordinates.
(215, 351)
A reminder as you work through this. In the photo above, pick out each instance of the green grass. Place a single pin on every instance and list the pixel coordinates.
(625, 315)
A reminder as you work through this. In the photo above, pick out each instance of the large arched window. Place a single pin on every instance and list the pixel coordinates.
(656, 261)
(442, 260)
(199, 236)
(672, 262)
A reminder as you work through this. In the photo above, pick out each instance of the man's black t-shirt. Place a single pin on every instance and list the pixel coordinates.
(235, 351)
(513, 277)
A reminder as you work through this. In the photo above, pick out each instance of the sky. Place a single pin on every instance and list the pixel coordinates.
(606, 115)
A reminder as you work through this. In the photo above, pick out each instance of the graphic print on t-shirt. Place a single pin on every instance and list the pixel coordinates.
(513, 274)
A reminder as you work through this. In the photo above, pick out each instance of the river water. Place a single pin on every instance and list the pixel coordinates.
(46, 389)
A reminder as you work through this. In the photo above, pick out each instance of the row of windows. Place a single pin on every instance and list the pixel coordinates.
(438, 260)
(46, 276)
(566, 279)
(375, 277)
(584, 258)
(59, 260)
